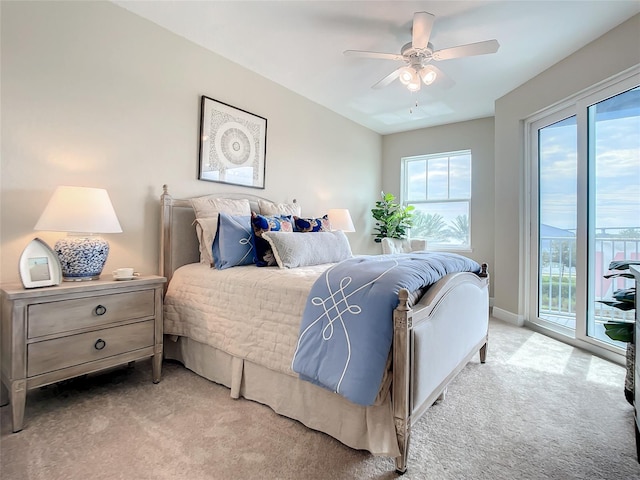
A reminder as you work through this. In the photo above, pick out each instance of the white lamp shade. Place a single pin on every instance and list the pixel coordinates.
(79, 210)
(340, 219)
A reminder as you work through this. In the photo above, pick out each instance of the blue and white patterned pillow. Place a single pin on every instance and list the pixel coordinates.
(264, 223)
(312, 224)
(233, 245)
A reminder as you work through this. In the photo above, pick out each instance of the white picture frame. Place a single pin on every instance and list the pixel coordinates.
(39, 265)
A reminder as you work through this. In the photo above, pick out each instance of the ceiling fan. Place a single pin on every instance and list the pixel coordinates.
(419, 53)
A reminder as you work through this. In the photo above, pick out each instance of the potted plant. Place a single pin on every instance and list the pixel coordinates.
(623, 330)
(392, 219)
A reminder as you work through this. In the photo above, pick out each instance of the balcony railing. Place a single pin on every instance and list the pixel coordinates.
(557, 285)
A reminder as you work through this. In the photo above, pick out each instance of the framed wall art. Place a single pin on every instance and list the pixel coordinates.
(233, 145)
(39, 265)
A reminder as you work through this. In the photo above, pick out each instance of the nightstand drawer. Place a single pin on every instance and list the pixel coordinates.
(68, 315)
(65, 352)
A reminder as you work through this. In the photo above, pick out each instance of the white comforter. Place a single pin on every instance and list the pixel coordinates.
(248, 312)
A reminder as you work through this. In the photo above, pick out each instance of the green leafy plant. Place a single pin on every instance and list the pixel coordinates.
(624, 300)
(392, 219)
(620, 330)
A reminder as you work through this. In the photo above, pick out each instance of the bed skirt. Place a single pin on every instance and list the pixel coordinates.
(363, 428)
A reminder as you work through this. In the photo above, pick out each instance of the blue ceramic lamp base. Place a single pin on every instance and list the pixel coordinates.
(82, 257)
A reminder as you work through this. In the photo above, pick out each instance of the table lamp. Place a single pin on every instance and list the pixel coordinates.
(83, 213)
(340, 219)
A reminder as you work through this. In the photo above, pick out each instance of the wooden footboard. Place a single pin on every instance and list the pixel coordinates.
(418, 331)
(401, 382)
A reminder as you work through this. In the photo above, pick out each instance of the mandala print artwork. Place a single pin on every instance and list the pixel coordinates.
(233, 145)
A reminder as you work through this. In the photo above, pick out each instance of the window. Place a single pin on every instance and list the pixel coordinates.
(439, 187)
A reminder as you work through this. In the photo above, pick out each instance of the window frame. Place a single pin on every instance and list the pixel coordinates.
(404, 191)
(576, 104)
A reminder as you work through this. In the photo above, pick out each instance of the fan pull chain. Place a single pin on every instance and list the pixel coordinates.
(411, 108)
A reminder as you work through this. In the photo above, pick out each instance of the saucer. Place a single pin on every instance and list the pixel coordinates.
(125, 278)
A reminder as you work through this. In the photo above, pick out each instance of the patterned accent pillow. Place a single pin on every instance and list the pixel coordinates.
(321, 224)
(261, 224)
(233, 245)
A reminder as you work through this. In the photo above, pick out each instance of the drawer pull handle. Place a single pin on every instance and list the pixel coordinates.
(100, 310)
(100, 344)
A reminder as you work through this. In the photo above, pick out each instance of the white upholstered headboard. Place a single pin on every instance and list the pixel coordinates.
(178, 240)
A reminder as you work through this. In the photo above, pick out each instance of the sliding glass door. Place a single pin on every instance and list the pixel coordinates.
(557, 216)
(584, 209)
(613, 152)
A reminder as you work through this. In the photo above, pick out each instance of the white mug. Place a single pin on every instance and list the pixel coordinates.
(123, 272)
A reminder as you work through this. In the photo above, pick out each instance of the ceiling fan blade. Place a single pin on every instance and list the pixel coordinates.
(421, 30)
(388, 79)
(480, 48)
(442, 79)
(363, 54)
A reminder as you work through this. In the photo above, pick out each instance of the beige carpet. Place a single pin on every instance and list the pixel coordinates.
(538, 409)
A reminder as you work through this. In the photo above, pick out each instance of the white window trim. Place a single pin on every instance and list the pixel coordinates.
(404, 187)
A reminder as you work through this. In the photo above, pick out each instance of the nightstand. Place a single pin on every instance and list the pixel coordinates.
(52, 334)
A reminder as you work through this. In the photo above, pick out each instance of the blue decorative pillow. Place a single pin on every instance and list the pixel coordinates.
(263, 223)
(233, 244)
(312, 224)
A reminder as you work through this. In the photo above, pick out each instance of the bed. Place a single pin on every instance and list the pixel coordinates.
(212, 328)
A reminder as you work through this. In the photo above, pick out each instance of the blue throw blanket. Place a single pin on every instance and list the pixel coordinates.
(347, 325)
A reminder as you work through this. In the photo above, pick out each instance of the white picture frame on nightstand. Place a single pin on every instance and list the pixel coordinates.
(39, 265)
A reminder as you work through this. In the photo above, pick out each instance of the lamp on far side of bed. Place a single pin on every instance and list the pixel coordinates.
(82, 212)
(340, 219)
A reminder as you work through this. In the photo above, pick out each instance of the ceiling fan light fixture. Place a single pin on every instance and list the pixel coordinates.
(418, 54)
(414, 86)
(428, 76)
(407, 75)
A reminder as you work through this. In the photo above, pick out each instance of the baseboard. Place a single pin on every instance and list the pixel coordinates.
(506, 316)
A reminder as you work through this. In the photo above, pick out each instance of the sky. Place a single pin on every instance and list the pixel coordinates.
(616, 171)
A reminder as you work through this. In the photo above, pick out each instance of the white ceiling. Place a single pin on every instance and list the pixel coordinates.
(299, 45)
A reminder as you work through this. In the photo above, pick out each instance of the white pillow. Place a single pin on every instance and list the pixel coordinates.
(304, 249)
(270, 208)
(396, 245)
(206, 210)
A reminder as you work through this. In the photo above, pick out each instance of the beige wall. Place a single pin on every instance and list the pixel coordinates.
(475, 135)
(612, 53)
(94, 95)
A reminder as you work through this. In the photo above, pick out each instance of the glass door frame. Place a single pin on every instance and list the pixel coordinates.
(578, 106)
(533, 207)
